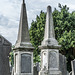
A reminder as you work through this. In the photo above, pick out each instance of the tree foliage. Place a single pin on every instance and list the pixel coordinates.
(64, 23)
(37, 33)
(11, 58)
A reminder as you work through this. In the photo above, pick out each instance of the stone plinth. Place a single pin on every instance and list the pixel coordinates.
(23, 63)
(50, 62)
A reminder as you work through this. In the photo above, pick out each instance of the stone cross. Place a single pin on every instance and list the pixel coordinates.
(23, 51)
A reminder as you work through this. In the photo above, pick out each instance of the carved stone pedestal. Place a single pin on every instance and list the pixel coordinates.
(55, 72)
(50, 62)
(23, 63)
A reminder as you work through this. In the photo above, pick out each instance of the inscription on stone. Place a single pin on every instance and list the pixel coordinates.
(26, 63)
(53, 59)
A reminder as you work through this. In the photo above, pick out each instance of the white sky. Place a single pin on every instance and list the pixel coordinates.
(10, 14)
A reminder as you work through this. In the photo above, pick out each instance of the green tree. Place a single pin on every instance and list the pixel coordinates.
(11, 58)
(37, 33)
(64, 23)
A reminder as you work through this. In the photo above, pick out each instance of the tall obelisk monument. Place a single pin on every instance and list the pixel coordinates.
(49, 48)
(23, 51)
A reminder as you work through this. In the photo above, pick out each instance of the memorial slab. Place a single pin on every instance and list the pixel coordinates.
(5, 48)
(62, 64)
(26, 63)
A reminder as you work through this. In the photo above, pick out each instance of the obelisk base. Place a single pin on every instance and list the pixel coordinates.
(56, 72)
(43, 73)
(50, 73)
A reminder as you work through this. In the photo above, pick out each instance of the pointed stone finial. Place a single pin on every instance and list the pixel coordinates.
(49, 35)
(23, 39)
(23, 1)
(49, 28)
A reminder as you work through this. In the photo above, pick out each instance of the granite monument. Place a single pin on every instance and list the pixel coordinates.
(5, 48)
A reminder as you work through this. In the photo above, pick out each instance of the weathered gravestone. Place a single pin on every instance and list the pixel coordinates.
(62, 64)
(5, 48)
(73, 67)
(23, 51)
(36, 69)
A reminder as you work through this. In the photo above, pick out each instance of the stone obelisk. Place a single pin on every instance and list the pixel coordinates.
(23, 51)
(49, 48)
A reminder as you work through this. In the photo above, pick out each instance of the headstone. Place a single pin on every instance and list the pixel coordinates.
(36, 69)
(23, 51)
(62, 64)
(5, 48)
(73, 67)
(49, 48)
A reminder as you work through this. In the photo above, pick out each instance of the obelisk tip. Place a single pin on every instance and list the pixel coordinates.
(23, 1)
(49, 8)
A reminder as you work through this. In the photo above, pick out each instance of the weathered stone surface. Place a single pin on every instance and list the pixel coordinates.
(23, 63)
(12, 71)
(23, 51)
(73, 67)
(49, 48)
(53, 59)
(26, 63)
(36, 69)
(55, 72)
(62, 64)
(49, 35)
(5, 48)
(67, 73)
(23, 40)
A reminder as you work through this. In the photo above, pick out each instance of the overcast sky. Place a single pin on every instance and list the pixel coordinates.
(10, 14)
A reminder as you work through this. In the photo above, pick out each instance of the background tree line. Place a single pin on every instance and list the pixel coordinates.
(64, 23)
